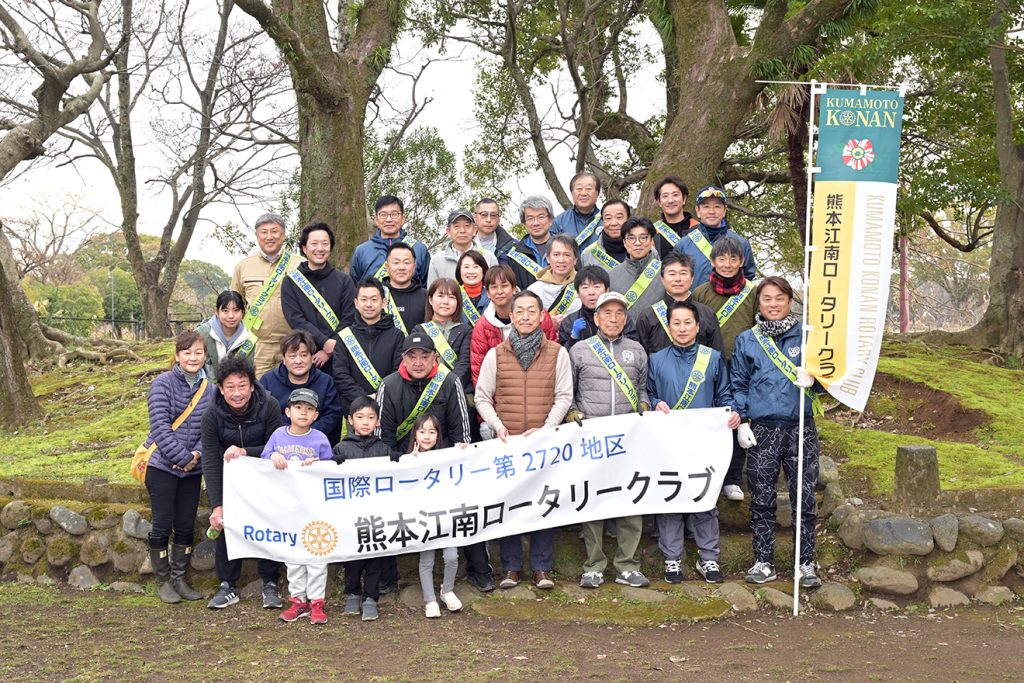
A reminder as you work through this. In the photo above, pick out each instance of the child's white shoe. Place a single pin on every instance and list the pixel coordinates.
(451, 601)
(432, 610)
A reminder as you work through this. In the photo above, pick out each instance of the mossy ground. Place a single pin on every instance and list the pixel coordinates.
(995, 459)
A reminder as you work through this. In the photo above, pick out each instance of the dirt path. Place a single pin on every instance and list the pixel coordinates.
(50, 634)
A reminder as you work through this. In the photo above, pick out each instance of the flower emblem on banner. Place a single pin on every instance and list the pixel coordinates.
(858, 153)
(319, 538)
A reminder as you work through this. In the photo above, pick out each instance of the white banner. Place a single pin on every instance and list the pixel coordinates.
(610, 467)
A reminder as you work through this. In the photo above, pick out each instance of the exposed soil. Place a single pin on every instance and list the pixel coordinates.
(62, 635)
(919, 410)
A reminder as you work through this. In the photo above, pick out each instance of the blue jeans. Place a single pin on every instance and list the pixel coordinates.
(542, 550)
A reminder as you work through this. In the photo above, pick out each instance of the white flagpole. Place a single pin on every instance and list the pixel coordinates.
(816, 89)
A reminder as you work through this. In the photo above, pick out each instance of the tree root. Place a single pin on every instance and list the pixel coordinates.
(65, 339)
(103, 357)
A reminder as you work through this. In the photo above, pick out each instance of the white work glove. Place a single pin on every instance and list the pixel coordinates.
(803, 380)
(745, 437)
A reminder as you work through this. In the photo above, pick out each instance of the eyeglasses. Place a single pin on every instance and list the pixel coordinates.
(637, 239)
(487, 215)
(389, 214)
(536, 219)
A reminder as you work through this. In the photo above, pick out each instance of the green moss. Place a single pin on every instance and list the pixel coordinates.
(991, 462)
(603, 610)
(59, 547)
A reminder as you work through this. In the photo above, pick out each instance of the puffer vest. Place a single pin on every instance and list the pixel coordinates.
(524, 399)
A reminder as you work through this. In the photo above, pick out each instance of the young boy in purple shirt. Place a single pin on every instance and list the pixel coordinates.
(300, 444)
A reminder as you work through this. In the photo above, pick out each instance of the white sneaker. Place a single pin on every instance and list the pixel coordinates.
(451, 601)
(732, 492)
(431, 610)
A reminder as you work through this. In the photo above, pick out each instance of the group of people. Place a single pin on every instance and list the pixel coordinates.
(594, 312)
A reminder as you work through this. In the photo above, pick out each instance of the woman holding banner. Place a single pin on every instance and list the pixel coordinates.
(766, 384)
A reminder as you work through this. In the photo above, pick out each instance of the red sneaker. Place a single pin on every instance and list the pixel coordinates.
(317, 615)
(299, 609)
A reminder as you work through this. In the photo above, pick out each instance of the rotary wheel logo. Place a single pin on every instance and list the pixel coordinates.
(847, 118)
(858, 153)
(319, 538)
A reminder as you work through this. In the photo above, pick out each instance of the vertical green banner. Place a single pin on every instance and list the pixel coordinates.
(859, 135)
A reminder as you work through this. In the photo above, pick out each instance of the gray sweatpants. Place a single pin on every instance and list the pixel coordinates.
(704, 527)
(451, 566)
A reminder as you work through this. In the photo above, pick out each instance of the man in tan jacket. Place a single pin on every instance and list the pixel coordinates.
(258, 278)
(525, 384)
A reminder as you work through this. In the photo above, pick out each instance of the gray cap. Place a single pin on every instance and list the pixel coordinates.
(609, 297)
(459, 213)
(304, 396)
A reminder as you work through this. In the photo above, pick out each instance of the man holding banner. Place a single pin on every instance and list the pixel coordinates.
(258, 278)
(524, 384)
(317, 297)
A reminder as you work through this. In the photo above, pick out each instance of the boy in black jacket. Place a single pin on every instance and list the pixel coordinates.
(362, 442)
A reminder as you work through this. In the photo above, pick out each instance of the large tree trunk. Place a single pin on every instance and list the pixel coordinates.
(17, 404)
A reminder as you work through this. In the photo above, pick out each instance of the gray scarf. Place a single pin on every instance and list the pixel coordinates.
(526, 347)
(776, 328)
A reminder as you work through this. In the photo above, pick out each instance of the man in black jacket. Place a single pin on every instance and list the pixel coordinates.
(591, 282)
(421, 386)
(652, 321)
(317, 297)
(239, 423)
(370, 349)
(491, 235)
(405, 296)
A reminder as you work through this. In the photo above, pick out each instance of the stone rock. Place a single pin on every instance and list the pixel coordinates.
(917, 475)
(101, 517)
(147, 566)
(851, 531)
(995, 569)
(468, 595)
(570, 590)
(693, 590)
(898, 536)
(203, 518)
(886, 605)
(520, 592)
(828, 470)
(94, 551)
(135, 525)
(127, 587)
(995, 595)
(981, 530)
(775, 598)
(60, 550)
(831, 500)
(1014, 528)
(15, 514)
(856, 502)
(412, 597)
(204, 555)
(82, 578)
(833, 597)
(887, 580)
(8, 544)
(737, 596)
(945, 529)
(45, 580)
(42, 522)
(251, 590)
(839, 515)
(32, 548)
(127, 556)
(21, 577)
(943, 596)
(640, 594)
(69, 520)
(944, 568)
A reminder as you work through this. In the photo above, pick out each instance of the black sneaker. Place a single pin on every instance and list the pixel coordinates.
(226, 595)
(710, 571)
(673, 571)
(482, 582)
(271, 598)
(388, 589)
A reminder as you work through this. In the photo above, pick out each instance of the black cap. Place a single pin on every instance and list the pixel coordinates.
(417, 340)
(459, 213)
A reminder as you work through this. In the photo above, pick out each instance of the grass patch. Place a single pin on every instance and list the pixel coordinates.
(992, 461)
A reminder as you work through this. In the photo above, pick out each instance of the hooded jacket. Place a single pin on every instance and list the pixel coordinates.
(370, 255)
(168, 398)
(625, 275)
(280, 387)
(250, 430)
(411, 302)
(382, 344)
(536, 253)
(489, 332)
(654, 337)
(669, 373)
(336, 288)
(550, 289)
(443, 261)
(761, 391)
(595, 392)
(458, 335)
(398, 395)
(217, 350)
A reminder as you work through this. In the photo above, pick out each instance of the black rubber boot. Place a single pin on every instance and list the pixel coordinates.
(180, 555)
(162, 570)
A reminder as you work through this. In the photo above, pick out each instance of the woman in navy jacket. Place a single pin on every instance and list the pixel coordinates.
(767, 379)
(173, 475)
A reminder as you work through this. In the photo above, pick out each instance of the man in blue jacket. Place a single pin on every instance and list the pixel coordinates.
(711, 210)
(681, 376)
(368, 257)
(582, 220)
(296, 371)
